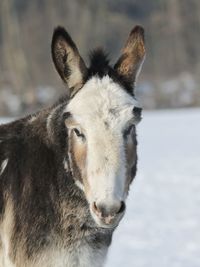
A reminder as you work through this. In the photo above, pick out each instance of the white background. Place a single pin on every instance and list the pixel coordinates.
(161, 227)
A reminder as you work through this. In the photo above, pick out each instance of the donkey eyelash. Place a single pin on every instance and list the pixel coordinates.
(78, 133)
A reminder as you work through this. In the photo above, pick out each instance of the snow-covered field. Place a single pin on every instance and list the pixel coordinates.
(161, 227)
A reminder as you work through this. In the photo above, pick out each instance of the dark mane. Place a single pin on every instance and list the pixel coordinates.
(99, 63)
(100, 66)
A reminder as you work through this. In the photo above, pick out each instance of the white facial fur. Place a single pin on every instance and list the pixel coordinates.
(103, 110)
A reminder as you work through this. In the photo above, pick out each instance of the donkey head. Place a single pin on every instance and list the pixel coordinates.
(101, 117)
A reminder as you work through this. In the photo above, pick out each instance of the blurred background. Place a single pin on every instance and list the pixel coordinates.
(171, 74)
(161, 227)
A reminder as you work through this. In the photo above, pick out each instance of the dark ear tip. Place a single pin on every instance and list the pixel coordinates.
(61, 33)
(59, 30)
(138, 30)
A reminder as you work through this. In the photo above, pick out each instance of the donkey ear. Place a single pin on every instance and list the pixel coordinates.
(67, 59)
(130, 63)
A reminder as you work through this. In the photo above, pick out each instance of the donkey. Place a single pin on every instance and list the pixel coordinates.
(65, 171)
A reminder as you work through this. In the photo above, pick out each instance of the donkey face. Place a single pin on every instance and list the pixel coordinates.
(101, 119)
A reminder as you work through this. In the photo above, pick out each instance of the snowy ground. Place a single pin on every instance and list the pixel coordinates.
(161, 227)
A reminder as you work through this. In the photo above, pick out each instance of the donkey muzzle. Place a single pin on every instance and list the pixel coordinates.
(108, 213)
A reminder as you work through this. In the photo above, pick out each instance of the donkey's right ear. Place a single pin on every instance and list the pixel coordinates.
(67, 59)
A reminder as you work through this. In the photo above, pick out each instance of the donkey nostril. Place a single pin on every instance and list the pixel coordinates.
(95, 206)
(104, 210)
(122, 208)
(96, 209)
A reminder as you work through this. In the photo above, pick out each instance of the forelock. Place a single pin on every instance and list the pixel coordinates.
(99, 63)
(100, 66)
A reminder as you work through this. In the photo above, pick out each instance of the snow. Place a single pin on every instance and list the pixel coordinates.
(161, 227)
(4, 120)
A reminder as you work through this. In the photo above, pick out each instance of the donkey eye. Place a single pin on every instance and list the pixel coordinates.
(128, 131)
(78, 133)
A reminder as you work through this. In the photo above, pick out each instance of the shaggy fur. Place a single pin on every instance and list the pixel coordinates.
(46, 186)
(46, 207)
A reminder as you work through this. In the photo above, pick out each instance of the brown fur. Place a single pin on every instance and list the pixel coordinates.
(133, 55)
(45, 219)
(67, 60)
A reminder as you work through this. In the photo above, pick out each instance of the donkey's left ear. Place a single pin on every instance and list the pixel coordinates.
(130, 63)
(67, 59)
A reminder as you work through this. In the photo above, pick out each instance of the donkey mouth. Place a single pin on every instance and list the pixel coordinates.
(108, 221)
